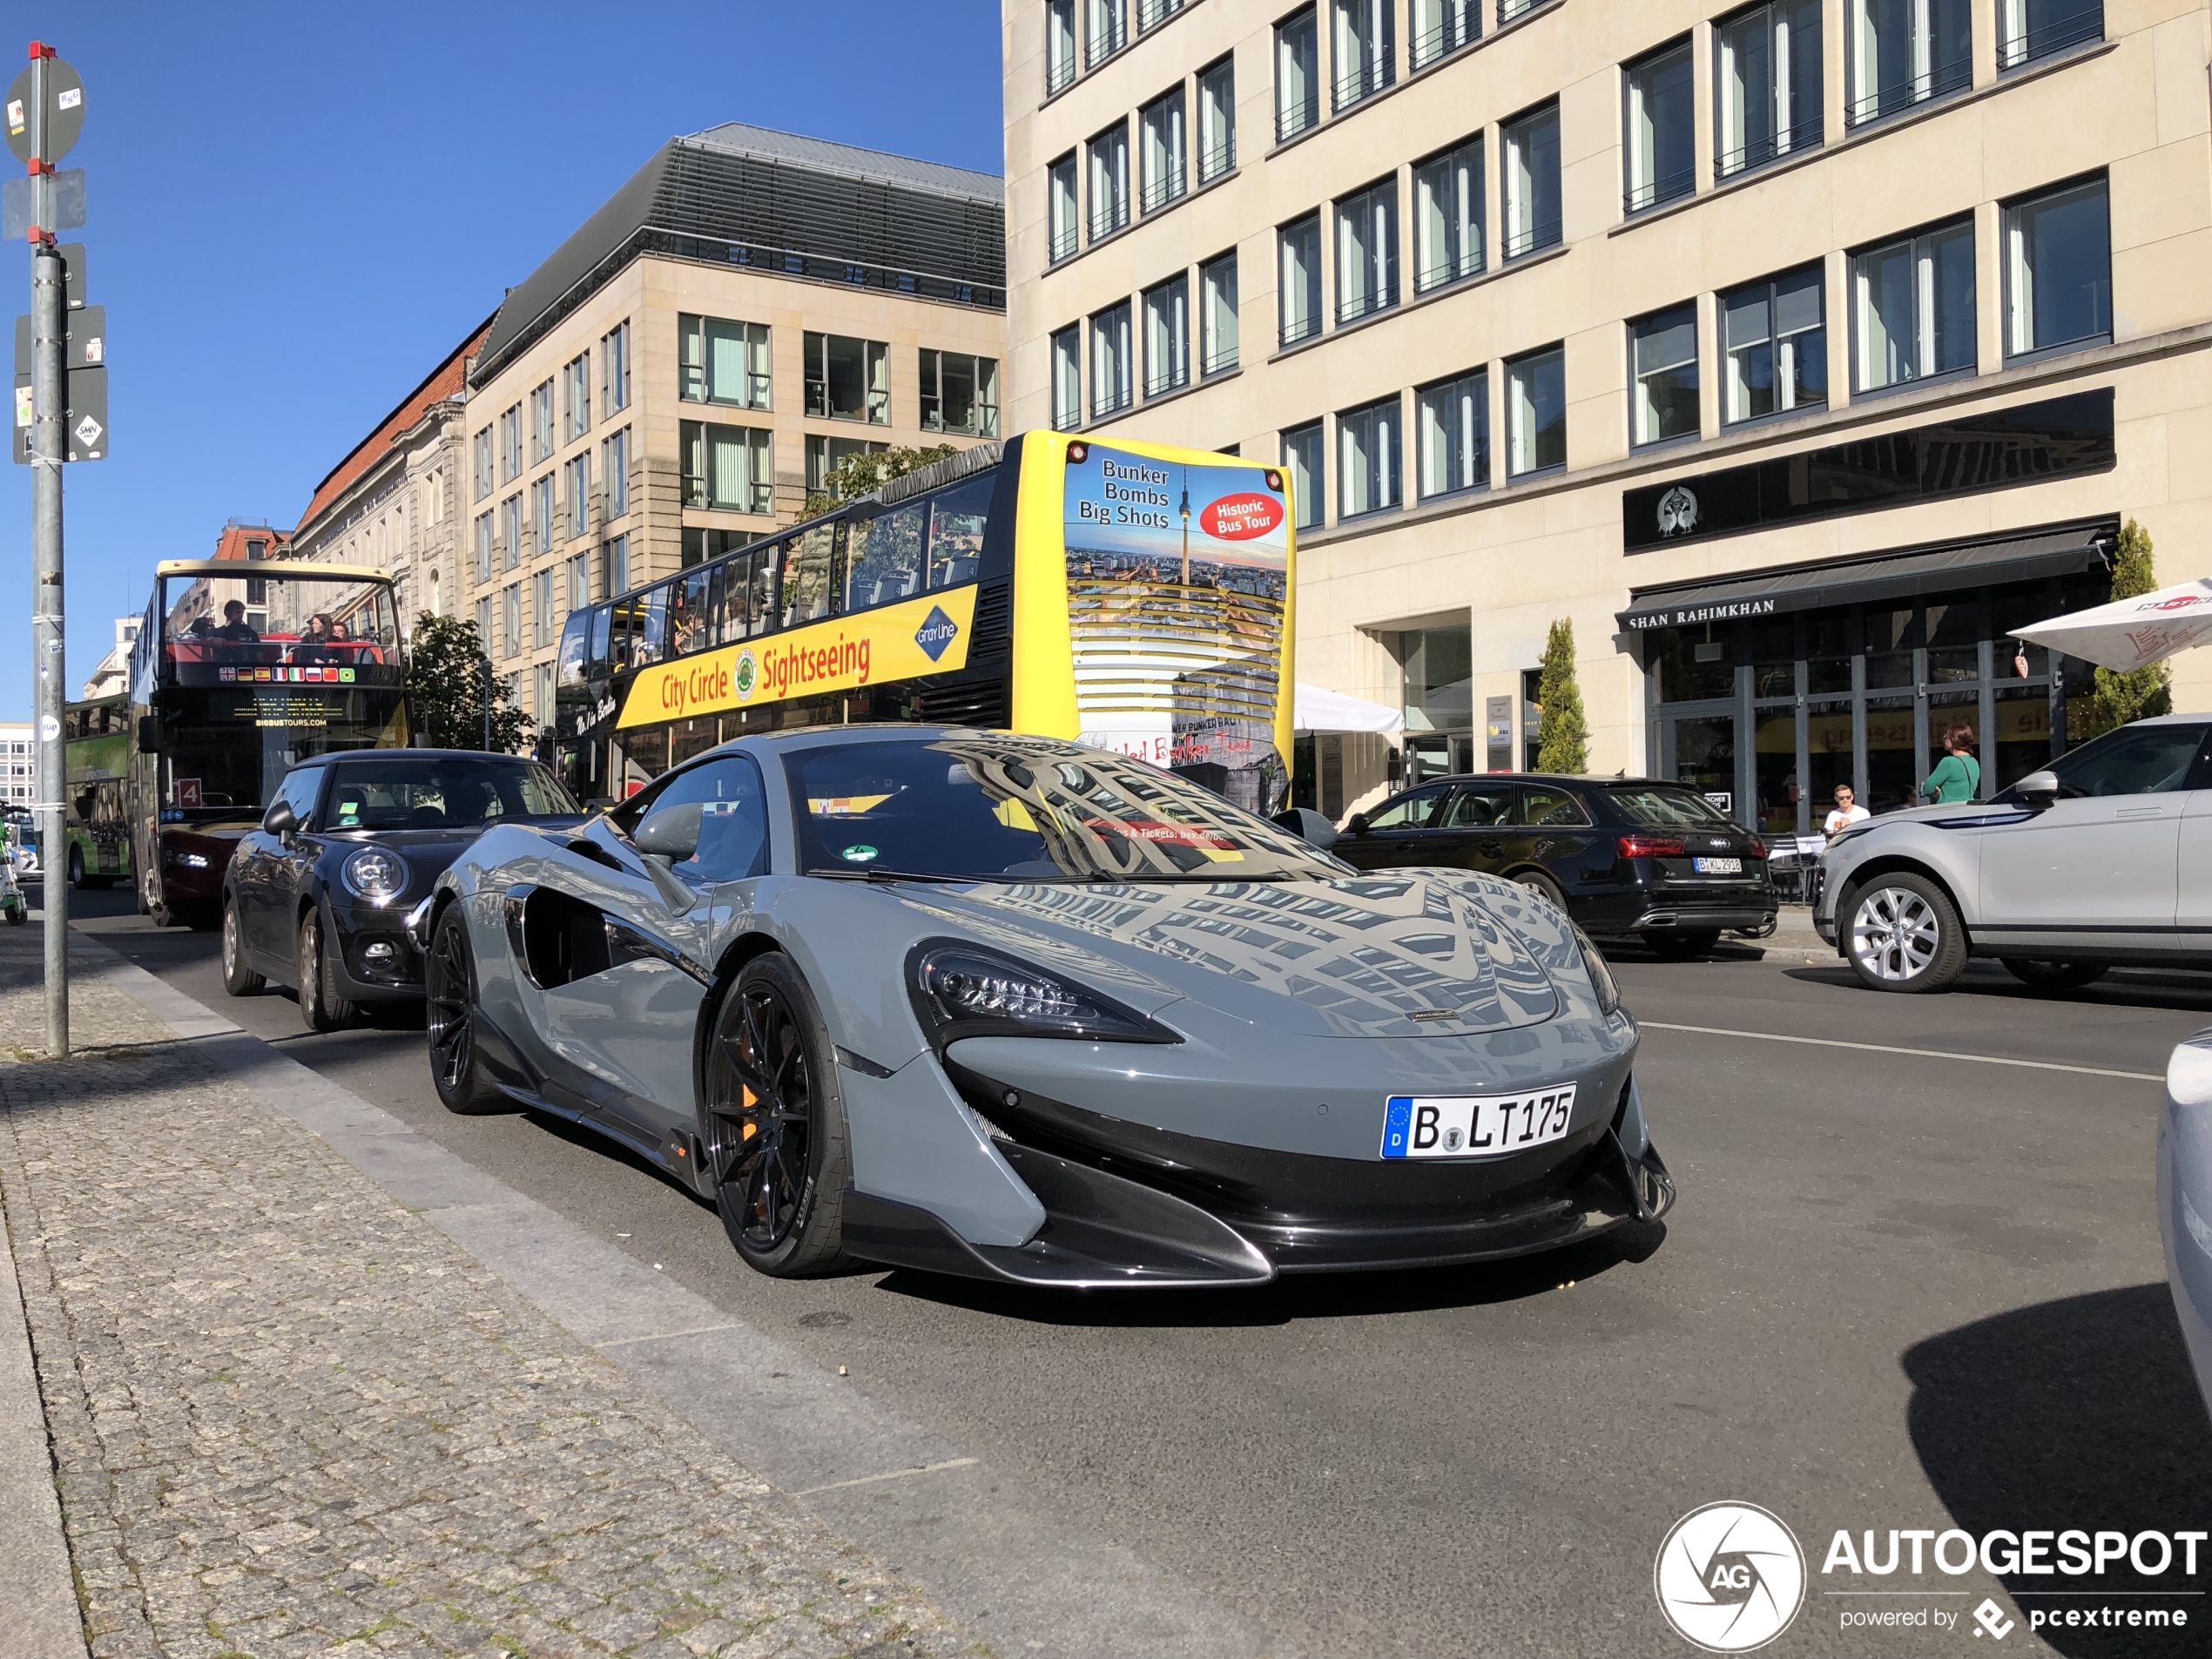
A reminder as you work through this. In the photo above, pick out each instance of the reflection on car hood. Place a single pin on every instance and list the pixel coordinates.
(1352, 956)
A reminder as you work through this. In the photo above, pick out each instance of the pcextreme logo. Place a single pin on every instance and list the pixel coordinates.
(1729, 1577)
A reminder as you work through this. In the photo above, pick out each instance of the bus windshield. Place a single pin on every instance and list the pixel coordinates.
(288, 617)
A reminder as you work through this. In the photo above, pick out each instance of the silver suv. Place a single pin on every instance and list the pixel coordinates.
(2103, 857)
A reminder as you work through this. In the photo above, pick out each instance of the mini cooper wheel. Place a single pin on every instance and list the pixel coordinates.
(320, 1006)
(449, 1003)
(773, 1123)
(238, 979)
(1680, 944)
(1905, 935)
(2042, 975)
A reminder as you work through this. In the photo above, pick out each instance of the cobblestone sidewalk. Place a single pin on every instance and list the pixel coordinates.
(290, 1418)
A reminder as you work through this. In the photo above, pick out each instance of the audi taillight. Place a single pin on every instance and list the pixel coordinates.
(1758, 848)
(1650, 847)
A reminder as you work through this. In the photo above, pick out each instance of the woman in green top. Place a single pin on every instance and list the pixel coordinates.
(1958, 775)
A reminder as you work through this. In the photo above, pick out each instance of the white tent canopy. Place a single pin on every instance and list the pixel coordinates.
(1317, 709)
(2131, 633)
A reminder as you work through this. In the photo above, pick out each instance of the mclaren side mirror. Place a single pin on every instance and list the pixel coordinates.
(672, 831)
(2037, 790)
(1356, 825)
(279, 820)
(1309, 826)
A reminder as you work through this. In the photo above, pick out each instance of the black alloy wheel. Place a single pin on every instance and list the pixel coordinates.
(2041, 975)
(1681, 944)
(320, 1006)
(450, 1000)
(774, 1125)
(238, 979)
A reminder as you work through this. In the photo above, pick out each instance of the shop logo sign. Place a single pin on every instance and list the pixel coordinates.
(1729, 1577)
(1677, 511)
(936, 632)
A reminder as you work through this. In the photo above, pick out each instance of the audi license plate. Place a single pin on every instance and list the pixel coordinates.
(1474, 1126)
(1718, 866)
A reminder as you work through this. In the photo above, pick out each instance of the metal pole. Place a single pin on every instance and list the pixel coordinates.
(48, 447)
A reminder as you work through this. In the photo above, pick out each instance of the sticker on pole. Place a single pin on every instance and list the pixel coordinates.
(49, 729)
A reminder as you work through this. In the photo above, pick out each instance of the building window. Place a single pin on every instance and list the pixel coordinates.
(1067, 377)
(1913, 306)
(1217, 314)
(542, 511)
(2058, 270)
(614, 567)
(1109, 362)
(1509, 9)
(578, 391)
(1531, 182)
(614, 370)
(1767, 69)
(1454, 419)
(1216, 121)
(1064, 222)
(1361, 47)
(1664, 398)
(1298, 76)
(1904, 53)
(510, 528)
(1367, 251)
(542, 609)
(723, 361)
(1536, 413)
(1302, 460)
(614, 474)
(1059, 46)
(542, 690)
(480, 466)
(1159, 126)
(1447, 216)
(1774, 347)
(1368, 454)
(1300, 289)
(483, 625)
(1660, 120)
(1441, 27)
(542, 422)
(960, 393)
(726, 467)
(847, 379)
(482, 539)
(511, 620)
(510, 444)
(1105, 30)
(825, 454)
(578, 596)
(576, 476)
(1109, 180)
(1167, 336)
(1151, 13)
(2027, 30)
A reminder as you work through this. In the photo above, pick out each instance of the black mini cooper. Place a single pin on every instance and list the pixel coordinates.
(318, 897)
(1620, 856)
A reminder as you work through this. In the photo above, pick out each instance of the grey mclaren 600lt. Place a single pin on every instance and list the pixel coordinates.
(1031, 1012)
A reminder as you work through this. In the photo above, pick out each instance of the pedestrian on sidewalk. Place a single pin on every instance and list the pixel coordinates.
(1848, 812)
(1958, 775)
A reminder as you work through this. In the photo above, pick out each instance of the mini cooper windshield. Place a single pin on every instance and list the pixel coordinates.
(1015, 809)
(445, 794)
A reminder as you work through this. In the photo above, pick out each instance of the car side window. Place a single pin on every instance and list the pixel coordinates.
(2145, 760)
(299, 789)
(733, 819)
(1480, 806)
(1410, 812)
(1549, 808)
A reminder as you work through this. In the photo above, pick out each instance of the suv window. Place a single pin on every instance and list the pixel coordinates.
(1667, 807)
(733, 820)
(1409, 812)
(2135, 760)
(1542, 805)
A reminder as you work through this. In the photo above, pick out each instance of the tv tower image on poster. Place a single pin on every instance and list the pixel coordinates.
(1177, 582)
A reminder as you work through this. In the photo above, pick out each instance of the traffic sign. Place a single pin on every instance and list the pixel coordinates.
(72, 256)
(19, 204)
(65, 111)
(86, 344)
(86, 420)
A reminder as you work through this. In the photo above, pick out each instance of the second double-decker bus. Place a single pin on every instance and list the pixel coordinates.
(1130, 596)
(96, 747)
(241, 670)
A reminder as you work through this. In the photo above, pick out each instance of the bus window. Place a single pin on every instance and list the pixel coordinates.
(885, 556)
(596, 658)
(576, 634)
(687, 613)
(711, 617)
(956, 520)
(807, 575)
(649, 629)
(736, 583)
(762, 608)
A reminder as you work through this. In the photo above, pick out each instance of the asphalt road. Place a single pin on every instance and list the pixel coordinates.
(1901, 1289)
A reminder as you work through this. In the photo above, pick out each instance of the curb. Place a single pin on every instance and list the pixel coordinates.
(43, 1619)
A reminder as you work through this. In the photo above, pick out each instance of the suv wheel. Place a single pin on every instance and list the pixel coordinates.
(1905, 935)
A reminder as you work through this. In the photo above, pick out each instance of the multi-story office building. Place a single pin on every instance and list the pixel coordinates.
(17, 789)
(1795, 352)
(112, 674)
(749, 310)
(395, 501)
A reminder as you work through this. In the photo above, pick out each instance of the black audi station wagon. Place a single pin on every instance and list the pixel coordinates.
(1622, 856)
(317, 898)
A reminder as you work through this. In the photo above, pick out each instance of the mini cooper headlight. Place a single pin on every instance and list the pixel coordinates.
(375, 874)
(1601, 980)
(966, 991)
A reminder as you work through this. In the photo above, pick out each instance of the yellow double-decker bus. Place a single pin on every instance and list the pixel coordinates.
(1130, 596)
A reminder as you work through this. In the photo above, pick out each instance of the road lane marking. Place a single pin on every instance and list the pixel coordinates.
(1917, 1054)
(895, 1474)
(665, 1336)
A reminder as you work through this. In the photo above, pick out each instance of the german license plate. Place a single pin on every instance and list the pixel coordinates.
(1718, 866)
(1474, 1126)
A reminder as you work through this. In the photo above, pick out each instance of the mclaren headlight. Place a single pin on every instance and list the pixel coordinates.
(1601, 972)
(967, 991)
(375, 874)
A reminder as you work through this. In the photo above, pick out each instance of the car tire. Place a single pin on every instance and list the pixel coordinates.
(769, 1079)
(1903, 934)
(151, 902)
(1682, 944)
(238, 979)
(449, 1003)
(321, 1007)
(2041, 974)
(1542, 886)
(76, 868)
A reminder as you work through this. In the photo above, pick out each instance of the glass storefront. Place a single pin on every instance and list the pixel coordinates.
(1439, 665)
(1767, 715)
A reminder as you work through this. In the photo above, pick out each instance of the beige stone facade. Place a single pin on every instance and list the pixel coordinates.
(641, 439)
(2111, 98)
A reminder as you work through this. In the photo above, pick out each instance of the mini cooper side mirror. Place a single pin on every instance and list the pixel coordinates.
(1357, 824)
(278, 819)
(2039, 789)
(1309, 826)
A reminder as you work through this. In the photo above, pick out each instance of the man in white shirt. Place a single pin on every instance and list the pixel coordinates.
(1848, 812)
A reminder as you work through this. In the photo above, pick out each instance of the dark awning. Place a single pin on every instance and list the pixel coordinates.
(1890, 575)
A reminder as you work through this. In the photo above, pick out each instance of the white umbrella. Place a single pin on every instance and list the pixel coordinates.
(2130, 633)
(1317, 709)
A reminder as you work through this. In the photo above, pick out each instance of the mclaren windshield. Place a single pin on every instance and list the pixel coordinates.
(1025, 809)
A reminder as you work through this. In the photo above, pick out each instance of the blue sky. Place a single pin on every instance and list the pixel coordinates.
(295, 211)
